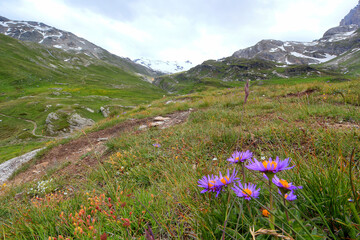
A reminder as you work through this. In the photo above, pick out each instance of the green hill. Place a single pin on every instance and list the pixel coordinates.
(36, 80)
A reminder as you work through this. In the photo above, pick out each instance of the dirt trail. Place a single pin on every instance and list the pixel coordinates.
(75, 158)
(33, 132)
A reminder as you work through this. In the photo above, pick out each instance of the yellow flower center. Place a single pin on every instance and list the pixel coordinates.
(247, 191)
(223, 180)
(237, 158)
(286, 196)
(272, 165)
(284, 183)
(211, 184)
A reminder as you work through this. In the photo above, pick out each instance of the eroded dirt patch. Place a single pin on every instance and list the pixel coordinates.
(75, 158)
(300, 94)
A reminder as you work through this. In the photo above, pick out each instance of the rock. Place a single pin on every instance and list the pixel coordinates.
(159, 118)
(155, 124)
(102, 139)
(9, 167)
(142, 127)
(78, 122)
(90, 110)
(51, 117)
(353, 17)
(105, 111)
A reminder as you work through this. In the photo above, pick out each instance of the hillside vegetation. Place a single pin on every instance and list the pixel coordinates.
(145, 186)
(36, 80)
(232, 71)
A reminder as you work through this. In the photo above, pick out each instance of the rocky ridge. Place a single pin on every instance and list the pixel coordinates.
(43, 34)
(353, 17)
(335, 42)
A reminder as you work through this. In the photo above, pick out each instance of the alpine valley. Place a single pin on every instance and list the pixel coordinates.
(98, 146)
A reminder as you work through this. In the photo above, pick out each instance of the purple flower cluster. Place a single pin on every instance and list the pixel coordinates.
(269, 167)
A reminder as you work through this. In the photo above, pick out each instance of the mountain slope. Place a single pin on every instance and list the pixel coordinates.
(39, 82)
(50, 36)
(335, 41)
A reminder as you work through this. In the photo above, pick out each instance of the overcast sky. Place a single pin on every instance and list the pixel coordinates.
(194, 30)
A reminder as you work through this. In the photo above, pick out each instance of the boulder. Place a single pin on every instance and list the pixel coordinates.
(78, 122)
(105, 111)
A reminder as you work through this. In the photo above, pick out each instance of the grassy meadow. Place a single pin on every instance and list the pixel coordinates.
(140, 191)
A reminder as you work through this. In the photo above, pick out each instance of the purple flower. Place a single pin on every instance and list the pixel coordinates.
(247, 191)
(226, 179)
(269, 166)
(157, 145)
(284, 186)
(289, 196)
(208, 183)
(240, 156)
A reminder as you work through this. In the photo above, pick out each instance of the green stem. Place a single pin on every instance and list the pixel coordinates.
(226, 215)
(272, 217)
(243, 172)
(286, 211)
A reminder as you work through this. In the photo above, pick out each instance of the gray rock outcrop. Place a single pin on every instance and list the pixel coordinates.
(77, 122)
(9, 167)
(105, 111)
(353, 17)
(63, 123)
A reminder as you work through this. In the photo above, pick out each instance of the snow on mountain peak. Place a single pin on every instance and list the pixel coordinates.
(165, 66)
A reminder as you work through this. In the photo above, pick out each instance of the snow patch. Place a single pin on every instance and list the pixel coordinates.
(165, 66)
(326, 58)
(282, 48)
(76, 49)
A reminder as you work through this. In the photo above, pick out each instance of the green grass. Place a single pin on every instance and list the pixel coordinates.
(157, 187)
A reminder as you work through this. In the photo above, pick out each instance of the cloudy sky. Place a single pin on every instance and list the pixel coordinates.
(194, 30)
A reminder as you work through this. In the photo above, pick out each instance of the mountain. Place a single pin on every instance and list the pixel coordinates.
(353, 17)
(165, 66)
(336, 53)
(53, 37)
(335, 42)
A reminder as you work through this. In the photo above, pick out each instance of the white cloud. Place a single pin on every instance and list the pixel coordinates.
(182, 30)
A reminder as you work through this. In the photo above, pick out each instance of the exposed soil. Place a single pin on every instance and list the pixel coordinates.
(300, 94)
(75, 158)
